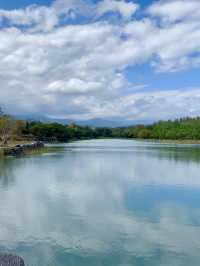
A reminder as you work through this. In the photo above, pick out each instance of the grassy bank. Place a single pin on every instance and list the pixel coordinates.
(18, 149)
(14, 143)
(44, 150)
(172, 141)
(32, 151)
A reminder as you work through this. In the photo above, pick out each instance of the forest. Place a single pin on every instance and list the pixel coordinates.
(12, 129)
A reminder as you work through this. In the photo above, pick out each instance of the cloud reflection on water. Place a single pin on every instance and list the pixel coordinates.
(102, 208)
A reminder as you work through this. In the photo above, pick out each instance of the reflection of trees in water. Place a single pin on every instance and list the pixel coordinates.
(7, 167)
(185, 154)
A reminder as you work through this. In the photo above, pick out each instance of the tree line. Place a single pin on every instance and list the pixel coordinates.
(12, 129)
(19, 130)
(180, 129)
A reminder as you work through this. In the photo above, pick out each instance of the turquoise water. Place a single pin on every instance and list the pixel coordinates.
(103, 203)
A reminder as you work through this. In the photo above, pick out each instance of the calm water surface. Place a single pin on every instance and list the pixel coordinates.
(103, 203)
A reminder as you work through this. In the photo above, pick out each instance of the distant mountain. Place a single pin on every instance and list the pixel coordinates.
(111, 123)
(98, 122)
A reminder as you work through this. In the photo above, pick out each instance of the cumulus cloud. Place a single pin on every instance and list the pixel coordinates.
(73, 86)
(77, 69)
(125, 9)
(43, 18)
(39, 17)
(175, 10)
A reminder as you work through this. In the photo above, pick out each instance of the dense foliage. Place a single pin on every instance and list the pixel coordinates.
(181, 129)
(59, 132)
(187, 128)
(18, 130)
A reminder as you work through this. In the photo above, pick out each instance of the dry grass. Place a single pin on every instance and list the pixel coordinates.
(13, 143)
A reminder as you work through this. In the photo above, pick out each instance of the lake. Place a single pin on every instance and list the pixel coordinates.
(103, 203)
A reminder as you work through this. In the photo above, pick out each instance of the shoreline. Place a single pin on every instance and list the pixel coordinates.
(25, 148)
(22, 149)
(161, 141)
(171, 141)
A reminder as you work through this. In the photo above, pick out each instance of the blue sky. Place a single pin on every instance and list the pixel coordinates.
(110, 59)
(10, 4)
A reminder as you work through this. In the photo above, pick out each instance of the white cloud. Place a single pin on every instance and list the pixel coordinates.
(126, 9)
(77, 70)
(39, 17)
(175, 103)
(73, 85)
(175, 10)
(43, 18)
(73, 8)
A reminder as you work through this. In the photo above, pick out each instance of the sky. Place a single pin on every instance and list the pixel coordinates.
(100, 59)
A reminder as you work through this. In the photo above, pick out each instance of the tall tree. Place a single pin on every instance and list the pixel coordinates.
(6, 129)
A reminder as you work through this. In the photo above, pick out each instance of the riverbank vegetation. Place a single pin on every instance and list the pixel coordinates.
(14, 131)
(179, 129)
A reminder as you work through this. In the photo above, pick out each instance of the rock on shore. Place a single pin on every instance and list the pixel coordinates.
(21, 149)
(10, 260)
